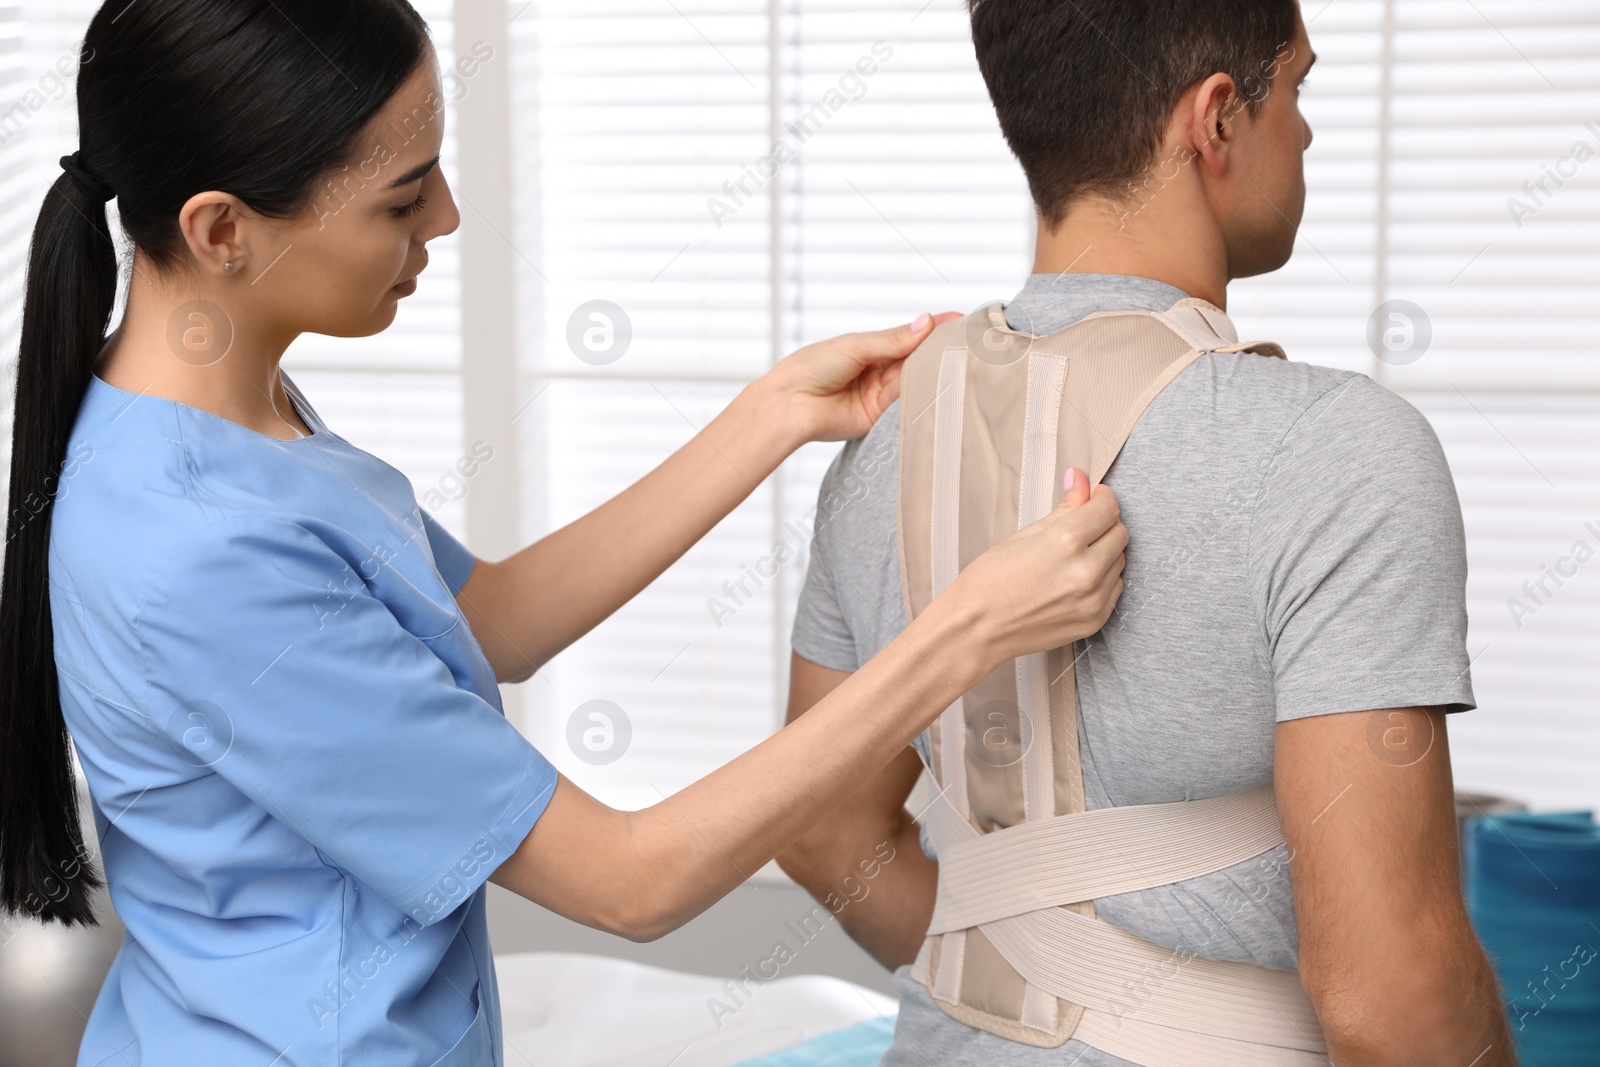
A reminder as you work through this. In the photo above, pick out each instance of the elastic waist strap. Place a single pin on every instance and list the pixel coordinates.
(1099, 853)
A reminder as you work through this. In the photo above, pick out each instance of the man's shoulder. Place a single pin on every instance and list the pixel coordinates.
(872, 460)
(882, 442)
(1279, 400)
(1263, 388)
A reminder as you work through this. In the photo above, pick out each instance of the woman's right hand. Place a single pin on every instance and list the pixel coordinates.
(1051, 582)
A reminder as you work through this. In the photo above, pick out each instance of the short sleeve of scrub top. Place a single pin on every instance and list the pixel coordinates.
(301, 773)
(454, 560)
(305, 692)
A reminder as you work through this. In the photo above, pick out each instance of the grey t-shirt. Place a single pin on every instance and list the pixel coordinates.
(1296, 549)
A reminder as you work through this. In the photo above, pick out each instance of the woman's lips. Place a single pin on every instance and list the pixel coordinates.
(409, 286)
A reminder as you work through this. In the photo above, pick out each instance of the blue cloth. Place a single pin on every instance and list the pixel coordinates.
(301, 772)
(1534, 894)
(862, 1045)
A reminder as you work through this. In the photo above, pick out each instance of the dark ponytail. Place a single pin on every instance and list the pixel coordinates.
(72, 287)
(175, 98)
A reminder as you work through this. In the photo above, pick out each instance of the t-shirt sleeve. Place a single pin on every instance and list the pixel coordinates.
(267, 655)
(821, 630)
(1358, 560)
(454, 560)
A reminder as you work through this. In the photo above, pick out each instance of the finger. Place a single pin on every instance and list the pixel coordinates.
(1107, 549)
(886, 345)
(1075, 484)
(878, 387)
(1113, 595)
(1110, 586)
(889, 385)
(1083, 515)
(1115, 538)
(1088, 522)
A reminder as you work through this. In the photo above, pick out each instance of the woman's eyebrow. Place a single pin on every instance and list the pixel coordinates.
(415, 174)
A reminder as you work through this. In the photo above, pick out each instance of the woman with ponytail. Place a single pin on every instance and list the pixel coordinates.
(277, 675)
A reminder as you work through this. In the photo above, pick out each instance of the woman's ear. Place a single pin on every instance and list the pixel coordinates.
(216, 228)
(1213, 106)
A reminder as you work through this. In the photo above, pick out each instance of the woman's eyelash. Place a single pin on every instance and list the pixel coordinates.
(405, 211)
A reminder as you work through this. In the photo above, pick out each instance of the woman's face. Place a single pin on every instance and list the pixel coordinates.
(356, 252)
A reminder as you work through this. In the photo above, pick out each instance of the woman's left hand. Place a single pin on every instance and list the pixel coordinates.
(837, 389)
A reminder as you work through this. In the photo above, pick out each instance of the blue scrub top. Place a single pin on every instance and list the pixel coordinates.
(301, 771)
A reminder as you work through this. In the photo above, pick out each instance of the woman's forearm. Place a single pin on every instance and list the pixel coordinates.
(811, 765)
(562, 586)
(642, 874)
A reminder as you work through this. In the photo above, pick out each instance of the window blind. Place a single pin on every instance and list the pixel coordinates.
(637, 113)
(14, 221)
(1493, 207)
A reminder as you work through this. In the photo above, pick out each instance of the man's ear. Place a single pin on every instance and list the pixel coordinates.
(1212, 107)
(216, 228)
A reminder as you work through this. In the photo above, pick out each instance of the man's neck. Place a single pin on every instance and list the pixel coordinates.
(1165, 237)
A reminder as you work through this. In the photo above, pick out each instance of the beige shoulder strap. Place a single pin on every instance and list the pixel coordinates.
(990, 418)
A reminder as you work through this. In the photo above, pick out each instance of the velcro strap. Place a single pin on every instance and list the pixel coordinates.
(1099, 853)
(1190, 323)
(1109, 970)
(1160, 1046)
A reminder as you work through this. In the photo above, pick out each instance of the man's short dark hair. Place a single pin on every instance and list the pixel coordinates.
(1084, 88)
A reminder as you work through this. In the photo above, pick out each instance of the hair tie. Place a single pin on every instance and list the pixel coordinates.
(87, 183)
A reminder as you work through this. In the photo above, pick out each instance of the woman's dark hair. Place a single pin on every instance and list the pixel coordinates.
(175, 97)
(1084, 89)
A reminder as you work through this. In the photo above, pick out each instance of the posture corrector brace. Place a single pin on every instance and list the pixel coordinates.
(990, 421)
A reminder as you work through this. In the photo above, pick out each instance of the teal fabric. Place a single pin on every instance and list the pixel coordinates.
(1534, 894)
(862, 1045)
